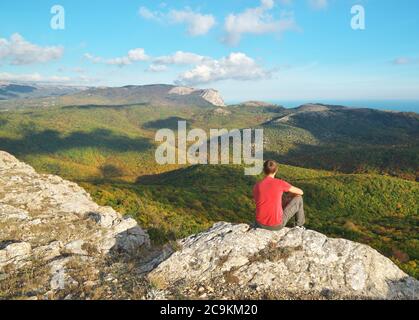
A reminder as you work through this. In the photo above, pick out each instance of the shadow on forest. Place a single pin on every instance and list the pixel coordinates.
(168, 123)
(355, 140)
(109, 171)
(98, 106)
(50, 141)
(201, 176)
(400, 162)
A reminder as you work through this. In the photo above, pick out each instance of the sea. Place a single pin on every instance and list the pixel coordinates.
(388, 105)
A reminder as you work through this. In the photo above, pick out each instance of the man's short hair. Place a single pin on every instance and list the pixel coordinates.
(270, 167)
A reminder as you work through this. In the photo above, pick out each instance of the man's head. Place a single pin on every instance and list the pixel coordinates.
(270, 167)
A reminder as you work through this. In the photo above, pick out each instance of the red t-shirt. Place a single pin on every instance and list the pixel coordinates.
(268, 199)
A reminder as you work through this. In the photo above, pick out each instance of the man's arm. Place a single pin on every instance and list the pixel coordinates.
(296, 191)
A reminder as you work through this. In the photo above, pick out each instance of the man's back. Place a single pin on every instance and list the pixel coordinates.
(268, 199)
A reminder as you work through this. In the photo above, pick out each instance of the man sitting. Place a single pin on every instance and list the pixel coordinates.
(268, 199)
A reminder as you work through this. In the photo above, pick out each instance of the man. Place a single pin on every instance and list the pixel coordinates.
(268, 199)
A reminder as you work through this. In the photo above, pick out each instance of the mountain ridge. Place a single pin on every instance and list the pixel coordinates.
(156, 94)
(30, 90)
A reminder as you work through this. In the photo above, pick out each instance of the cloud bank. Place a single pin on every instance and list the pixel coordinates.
(235, 66)
(133, 55)
(18, 51)
(197, 24)
(257, 20)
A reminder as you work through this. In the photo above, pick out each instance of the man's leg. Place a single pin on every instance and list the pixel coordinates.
(295, 208)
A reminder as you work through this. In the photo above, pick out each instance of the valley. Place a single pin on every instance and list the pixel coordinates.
(358, 167)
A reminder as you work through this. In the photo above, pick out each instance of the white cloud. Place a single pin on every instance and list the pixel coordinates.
(156, 68)
(202, 69)
(197, 23)
(256, 21)
(18, 51)
(133, 55)
(93, 58)
(137, 55)
(318, 4)
(150, 15)
(180, 57)
(236, 66)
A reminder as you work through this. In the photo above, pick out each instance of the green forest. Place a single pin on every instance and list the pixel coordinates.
(358, 167)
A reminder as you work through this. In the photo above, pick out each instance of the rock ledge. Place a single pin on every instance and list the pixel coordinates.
(237, 261)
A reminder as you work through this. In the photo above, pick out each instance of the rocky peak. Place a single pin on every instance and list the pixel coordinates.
(238, 261)
(210, 95)
(213, 97)
(181, 91)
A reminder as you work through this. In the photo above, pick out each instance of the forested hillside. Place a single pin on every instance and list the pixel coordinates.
(110, 151)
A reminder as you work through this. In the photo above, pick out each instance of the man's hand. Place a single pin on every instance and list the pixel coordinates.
(296, 191)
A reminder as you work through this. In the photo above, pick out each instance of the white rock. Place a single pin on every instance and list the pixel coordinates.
(48, 252)
(290, 262)
(75, 247)
(16, 250)
(210, 95)
(12, 213)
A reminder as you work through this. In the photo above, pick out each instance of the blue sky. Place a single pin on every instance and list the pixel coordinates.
(247, 49)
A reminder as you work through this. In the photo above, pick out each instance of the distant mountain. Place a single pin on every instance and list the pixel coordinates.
(345, 139)
(154, 94)
(257, 104)
(12, 90)
(339, 121)
(315, 107)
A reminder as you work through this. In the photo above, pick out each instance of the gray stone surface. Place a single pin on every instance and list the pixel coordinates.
(238, 260)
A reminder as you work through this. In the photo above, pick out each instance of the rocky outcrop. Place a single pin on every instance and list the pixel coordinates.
(181, 91)
(45, 219)
(210, 95)
(237, 261)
